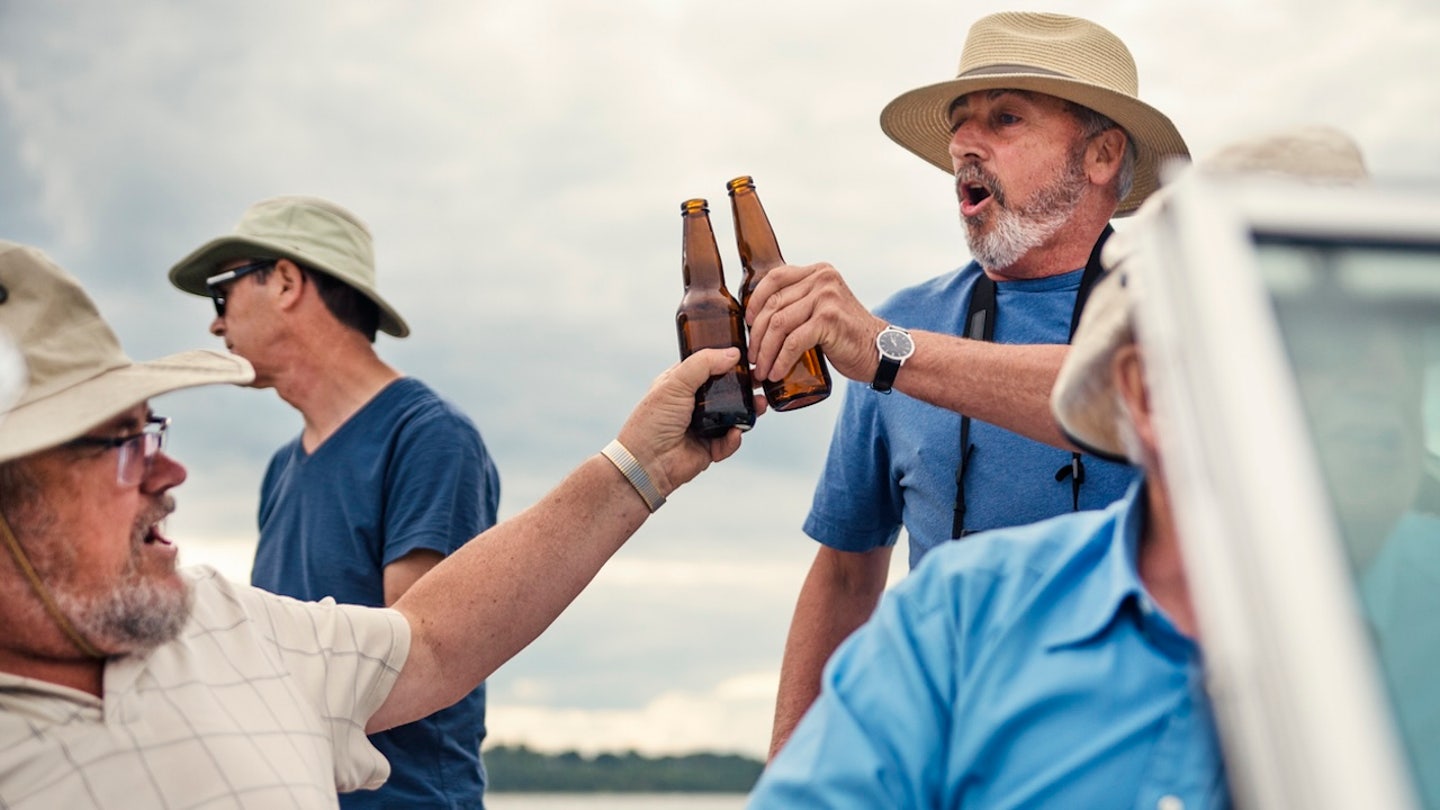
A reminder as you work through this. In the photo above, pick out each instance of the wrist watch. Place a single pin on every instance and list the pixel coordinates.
(896, 346)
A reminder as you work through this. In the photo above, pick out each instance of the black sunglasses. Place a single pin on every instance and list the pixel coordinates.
(213, 283)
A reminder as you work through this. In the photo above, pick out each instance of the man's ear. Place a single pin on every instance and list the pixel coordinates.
(1104, 155)
(1127, 371)
(290, 281)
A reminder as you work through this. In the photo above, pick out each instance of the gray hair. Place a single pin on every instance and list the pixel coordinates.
(1093, 123)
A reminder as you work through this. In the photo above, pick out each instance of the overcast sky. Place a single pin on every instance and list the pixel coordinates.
(521, 164)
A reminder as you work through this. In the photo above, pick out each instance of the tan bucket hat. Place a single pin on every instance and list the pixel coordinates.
(1317, 154)
(1083, 398)
(1060, 56)
(78, 376)
(13, 374)
(310, 231)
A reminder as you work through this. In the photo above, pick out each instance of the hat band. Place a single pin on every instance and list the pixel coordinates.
(990, 70)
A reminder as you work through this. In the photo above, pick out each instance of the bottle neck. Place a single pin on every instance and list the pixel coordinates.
(700, 259)
(755, 239)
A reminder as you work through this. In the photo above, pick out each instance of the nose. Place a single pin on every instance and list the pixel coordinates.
(217, 326)
(965, 147)
(164, 473)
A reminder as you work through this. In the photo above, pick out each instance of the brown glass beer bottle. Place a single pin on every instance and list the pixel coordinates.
(710, 318)
(808, 381)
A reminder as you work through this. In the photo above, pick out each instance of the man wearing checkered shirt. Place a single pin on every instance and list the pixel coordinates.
(126, 682)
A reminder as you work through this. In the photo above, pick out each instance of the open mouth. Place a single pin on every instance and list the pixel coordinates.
(973, 197)
(975, 188)
(153, 536)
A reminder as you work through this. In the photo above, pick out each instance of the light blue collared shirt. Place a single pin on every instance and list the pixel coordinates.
(1026, 667)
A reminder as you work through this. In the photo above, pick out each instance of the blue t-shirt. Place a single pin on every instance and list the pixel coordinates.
(1026, 667)
(407, 472)
(893, 459)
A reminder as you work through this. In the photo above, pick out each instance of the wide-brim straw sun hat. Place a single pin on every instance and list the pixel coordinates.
(1060, 56)
(309, 231)
(77, 377)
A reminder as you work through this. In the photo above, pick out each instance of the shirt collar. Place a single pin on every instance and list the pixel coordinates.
(1069, 280)
(1116, 580)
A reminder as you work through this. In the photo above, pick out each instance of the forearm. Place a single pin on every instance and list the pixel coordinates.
(795, 308)
(484, 603)
(835, 600)
(1005, 385)
(487, 601)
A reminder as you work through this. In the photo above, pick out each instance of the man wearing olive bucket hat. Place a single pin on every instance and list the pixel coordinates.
(385, 479)
(1045, 140)
(128, 682)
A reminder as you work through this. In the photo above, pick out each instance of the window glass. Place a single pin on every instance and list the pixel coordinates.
(1361, 327)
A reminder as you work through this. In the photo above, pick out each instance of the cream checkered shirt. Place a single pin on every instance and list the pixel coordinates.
(261, 703)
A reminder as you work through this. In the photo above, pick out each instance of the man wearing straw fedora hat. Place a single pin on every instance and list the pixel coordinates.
(1045, 140)
(385, 478)
(128, 682)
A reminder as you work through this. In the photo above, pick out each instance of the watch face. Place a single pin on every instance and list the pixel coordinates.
(895, 344)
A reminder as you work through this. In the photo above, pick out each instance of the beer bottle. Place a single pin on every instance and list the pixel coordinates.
(808, 381)
(710, 318)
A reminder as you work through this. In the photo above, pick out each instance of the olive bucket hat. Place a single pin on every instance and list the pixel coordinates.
(1065, 57)
(76, 375)
(310, 231)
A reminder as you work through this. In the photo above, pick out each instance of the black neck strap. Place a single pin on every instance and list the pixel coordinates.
(980, 325)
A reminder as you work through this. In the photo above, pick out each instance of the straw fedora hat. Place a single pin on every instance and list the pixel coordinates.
(309, 231)
(1060, 56)
(78, 377)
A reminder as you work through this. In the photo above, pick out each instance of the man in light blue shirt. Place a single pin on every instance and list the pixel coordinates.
(1050, 665)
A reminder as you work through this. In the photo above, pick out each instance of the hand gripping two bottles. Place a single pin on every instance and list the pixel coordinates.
(710, 317)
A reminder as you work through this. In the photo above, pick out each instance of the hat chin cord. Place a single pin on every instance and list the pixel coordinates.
(41, 591)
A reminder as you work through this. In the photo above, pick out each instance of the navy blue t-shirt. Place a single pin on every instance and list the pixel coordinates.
(407, 472)
(893, 458)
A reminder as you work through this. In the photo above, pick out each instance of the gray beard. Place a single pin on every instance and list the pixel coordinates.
(137, 616)
(1016, 231)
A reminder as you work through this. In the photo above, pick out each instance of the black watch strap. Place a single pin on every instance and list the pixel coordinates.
(885, 375)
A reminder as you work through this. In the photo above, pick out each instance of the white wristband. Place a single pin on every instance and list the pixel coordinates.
(634, 473)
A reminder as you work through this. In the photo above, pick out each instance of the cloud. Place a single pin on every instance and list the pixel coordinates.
(521, 163)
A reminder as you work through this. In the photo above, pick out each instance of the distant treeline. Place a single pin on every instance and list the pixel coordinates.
(519, 769)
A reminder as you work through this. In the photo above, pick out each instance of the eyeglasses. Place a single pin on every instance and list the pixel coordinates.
(213, 283)
(137, 451)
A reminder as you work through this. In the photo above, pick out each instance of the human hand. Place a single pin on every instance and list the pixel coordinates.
(658, 431)
(795, 308)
